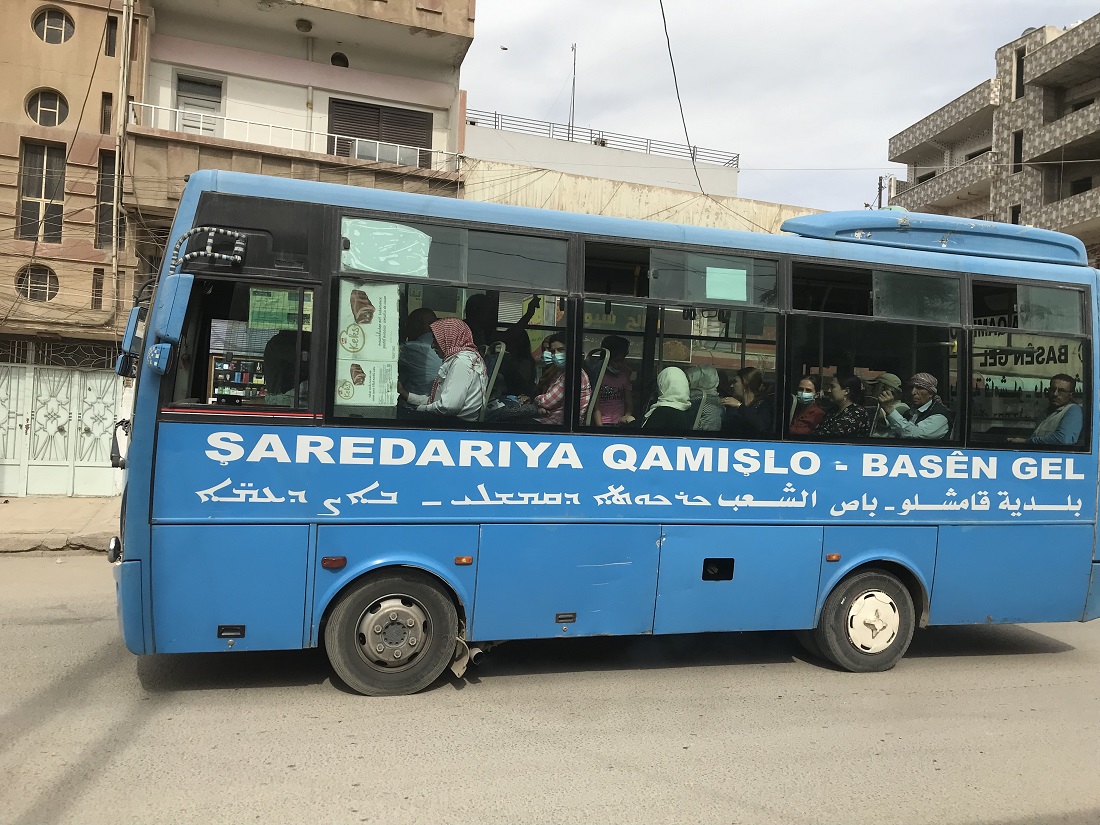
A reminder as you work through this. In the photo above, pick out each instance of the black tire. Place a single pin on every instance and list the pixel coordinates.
(857, 613)
(809, 643)
(409, 616)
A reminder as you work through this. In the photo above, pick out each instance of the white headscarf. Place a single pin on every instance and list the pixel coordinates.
(672, 390)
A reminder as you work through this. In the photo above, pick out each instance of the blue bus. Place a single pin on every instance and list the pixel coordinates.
(872, 423)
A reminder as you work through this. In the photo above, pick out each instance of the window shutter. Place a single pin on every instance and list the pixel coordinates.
(351, 119)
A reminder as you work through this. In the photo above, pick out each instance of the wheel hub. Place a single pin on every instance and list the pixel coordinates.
(873, 621)
(393, 631)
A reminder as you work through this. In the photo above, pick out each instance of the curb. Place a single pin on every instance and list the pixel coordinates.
(31, 543)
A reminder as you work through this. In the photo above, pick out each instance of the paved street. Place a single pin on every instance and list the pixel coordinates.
(978, 725)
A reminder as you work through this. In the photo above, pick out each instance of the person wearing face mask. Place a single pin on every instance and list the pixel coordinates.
(616, 398)
(807, 413)
(550, 392)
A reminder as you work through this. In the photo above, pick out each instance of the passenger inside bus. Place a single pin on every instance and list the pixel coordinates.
(550, 391)
(806, 413)
(927, 418)
(1064, 419)
(615, 404)
(418, 362)
(516, 375)
(886, 384)
(458, 391)
(671, 412)
(280, 357)
(749, 408)
(706, 407)
(849, 418)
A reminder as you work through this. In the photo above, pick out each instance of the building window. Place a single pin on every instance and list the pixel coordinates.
(97, 288)
(105, 203)
(36, 283)
(1018, 73)
(339, 59)
(106, 114)
(47, 108)
(110, 37)
(1081, 104)
(1080, 186)
(199, 102)
(1017, 151)
(925, 176)
(368, 132)
(53, 25)
(42, 192)
(1014, 214)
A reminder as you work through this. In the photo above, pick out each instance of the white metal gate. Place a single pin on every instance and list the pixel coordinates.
(56, 422)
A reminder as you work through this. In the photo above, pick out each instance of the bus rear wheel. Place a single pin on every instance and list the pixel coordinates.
(392, 635)
(867, 622)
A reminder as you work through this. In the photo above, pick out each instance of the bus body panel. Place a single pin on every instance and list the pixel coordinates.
(211, 576)
(1092, 604)
(128, 596)
(369, 547)
(914, 548)
(559, 580)
(694, 595)
(1011, 573)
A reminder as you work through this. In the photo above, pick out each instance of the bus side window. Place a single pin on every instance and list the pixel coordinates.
(244, 345)
(889, 380)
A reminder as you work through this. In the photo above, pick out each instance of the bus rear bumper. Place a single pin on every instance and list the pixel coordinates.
(128, 605)
(1092, 603)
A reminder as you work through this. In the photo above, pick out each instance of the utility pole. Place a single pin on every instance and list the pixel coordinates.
(122, 113)
(573, 94)
(880, 186)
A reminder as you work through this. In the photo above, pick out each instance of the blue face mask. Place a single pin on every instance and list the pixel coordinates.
(559, 359)
(547, 357)
(804, 397)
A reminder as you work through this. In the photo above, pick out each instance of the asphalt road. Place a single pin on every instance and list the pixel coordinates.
(976, 725)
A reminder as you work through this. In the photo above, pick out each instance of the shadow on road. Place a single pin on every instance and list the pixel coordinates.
(225, 671)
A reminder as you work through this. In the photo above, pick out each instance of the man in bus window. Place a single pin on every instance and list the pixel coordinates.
(927, 417)
(418, 363)
(1064, 418)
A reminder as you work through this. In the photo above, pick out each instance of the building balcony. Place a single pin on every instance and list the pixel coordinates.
(1077, 215)
(965, 116)
(434, 31)
(169, 144)
(1070, 59)
(963, 182)
(1073, 137)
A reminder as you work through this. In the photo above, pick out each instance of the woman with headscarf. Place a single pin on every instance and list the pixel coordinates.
(459, 388)
(671, 411)
(705, 406)
(927, 417)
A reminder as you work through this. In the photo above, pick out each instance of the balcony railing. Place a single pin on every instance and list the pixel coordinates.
(953, 179)
(580, 134)
(200, 124)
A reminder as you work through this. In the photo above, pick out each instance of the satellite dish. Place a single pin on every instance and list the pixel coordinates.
(1028, 31)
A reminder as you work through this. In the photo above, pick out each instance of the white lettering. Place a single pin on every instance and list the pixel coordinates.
(749, 461)
(565, 454)
(355, 450)
(226, 447)
(986, 467)
(1070, 475)
(694, 460)
(1025, 468)
(874, 465)
(956, 467)
(769, 464)
(805, 463)
(629, 460)
(656, 457)
(533, 453)
(268, 445)
(317, 446)
(903, 466)
(388, 446)
(471, 451)
(435, 451)
(931, 466)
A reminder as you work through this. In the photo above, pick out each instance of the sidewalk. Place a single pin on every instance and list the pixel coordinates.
(57, 523)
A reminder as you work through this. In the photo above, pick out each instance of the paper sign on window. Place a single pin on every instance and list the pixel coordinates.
(727, 284)
(367, 344)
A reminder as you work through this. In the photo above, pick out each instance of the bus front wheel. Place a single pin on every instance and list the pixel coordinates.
(392, 635)
(867, 622)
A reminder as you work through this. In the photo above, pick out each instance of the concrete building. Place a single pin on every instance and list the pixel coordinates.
(1022, 147)
(351, 91)
(526, 162)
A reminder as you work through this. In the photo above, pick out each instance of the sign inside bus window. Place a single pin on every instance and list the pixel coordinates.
(384, 247)
(726, 284)
(278, 309)
(297, 473)
(367, 345)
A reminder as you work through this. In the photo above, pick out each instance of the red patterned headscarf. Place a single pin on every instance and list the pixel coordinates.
(453, 336)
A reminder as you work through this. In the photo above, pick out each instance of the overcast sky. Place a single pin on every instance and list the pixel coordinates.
(809, 92)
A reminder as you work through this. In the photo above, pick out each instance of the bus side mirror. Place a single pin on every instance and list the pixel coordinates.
(156, 358)
(131, 341)
(171, 304)
(126, 365)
